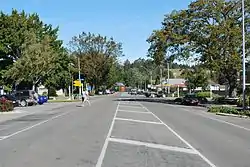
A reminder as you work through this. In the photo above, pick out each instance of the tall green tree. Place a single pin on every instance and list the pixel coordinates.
(210, 31)
(15, 28)
(37, 61)
(195, 78)
(97, 55)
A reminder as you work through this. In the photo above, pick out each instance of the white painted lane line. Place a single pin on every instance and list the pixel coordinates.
(176, 134)
(140, 121)
(105, 146)
(131, 106)
(152, 145)
(214, 119)
(2, 137)
(130, 111)
(35, 125)
(221, 121)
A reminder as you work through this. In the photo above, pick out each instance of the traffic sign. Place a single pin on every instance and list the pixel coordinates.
(77, 83)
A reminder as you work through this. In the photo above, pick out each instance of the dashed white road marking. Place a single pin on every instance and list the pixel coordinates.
(176, 134)
(105, 146)
(126, 106)
(152, 145)
(131, 111)
(131, 104)
(139, 121)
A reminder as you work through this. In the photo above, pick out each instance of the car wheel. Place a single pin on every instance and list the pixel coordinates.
(23, 103)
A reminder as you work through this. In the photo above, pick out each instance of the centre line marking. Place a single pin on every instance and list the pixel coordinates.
(152, 145)
(176, 134)
(140, 121)
(141, 112)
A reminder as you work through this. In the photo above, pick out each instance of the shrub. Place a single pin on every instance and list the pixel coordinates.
(203, 94)
(227, 110)
(240, 101)
(45, 94)
(6, 105)
(52, 92)
(91, 94)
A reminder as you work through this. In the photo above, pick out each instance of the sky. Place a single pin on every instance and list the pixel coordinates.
(128, 21)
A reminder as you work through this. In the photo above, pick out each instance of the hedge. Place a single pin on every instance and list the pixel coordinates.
(240, 101)
(6, 105)
(227, 110)
(203, 94)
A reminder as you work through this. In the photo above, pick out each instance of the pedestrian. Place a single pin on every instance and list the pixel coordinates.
(85, 97)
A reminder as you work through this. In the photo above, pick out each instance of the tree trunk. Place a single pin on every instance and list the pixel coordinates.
(48, 92)
(34, 87)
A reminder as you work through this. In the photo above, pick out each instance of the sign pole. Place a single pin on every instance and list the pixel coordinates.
(79, 77)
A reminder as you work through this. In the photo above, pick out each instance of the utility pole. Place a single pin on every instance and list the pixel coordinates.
(244, 55)
(79, 76)
(168, 79)
(151, 78)
(161, 76)
(72, 85)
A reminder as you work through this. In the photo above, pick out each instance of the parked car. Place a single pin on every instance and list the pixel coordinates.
(41, 99)
(11, 98)
(190, 99)
(26, 97)
(133, 92)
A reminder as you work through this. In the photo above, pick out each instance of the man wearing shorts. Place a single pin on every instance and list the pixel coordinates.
(85, 97)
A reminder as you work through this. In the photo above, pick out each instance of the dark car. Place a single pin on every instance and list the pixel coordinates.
(26, 97)
(190, 99)
(11, 98)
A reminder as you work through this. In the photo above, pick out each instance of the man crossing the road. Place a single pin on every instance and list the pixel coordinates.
(85, 97)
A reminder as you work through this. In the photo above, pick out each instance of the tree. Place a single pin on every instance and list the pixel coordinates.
(37, 61)
(14, 30)
(195, 78)
(210, 32)
(97, 55)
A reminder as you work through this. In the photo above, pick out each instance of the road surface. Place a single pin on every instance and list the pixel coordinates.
(115, 132)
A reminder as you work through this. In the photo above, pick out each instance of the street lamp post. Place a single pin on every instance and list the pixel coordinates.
(243, 55)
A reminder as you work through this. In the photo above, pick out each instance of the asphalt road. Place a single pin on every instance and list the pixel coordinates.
(114, 132)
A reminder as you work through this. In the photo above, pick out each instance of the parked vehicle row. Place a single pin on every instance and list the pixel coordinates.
(25, 98)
